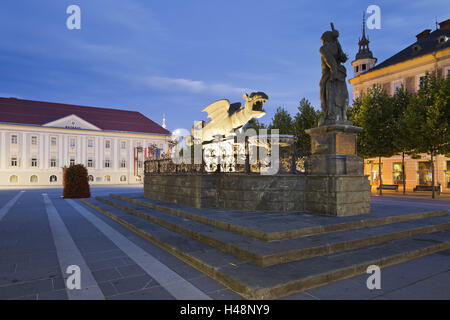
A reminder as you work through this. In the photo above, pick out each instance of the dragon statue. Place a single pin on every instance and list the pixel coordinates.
(226, 117)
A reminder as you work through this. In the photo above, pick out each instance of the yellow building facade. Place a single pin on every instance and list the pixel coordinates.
(407, 68)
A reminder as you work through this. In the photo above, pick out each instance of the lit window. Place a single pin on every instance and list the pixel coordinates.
(14, 179)
(34, 140)
(34, 162)
(397, 173)
(13, 139)
(14, 162)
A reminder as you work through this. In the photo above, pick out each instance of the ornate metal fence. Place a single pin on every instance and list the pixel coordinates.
(288, 164)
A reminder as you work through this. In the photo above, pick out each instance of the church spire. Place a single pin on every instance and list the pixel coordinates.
(364, 51)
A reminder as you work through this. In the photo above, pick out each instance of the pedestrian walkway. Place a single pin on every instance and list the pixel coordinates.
(41, 234)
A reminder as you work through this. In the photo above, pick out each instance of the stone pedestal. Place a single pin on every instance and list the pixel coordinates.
(337, 185)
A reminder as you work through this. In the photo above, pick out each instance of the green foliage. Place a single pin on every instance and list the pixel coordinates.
(306, 118)
(402, 139)
(374, 112)
(428, 116)
(256, 125)
(282, 121)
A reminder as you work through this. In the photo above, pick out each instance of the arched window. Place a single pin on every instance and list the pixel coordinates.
(14, 179)
(53, 178)
(107, 179)
(34, 179)
(123, 178)
(91, 178)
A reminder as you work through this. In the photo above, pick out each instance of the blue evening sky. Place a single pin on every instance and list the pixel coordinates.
(177, 57)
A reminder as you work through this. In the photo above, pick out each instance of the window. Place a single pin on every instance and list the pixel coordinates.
(356, 68)
(123, 145)
(13, 179)
(123, 164)
(424, 173)
(397, 173)
(396, 85)
(34, 140)
(363, 66)
(33, 179)
(53, 162)
(72, 161)
(107, 179)
(421, 80)
(90, 163)
(123, 178)
(90, 143)
(53, 141)
(34, 162)
(91, 178)
(53, 178)
(107, 163)
(13, 162)
(72, 142)
(107, 144)
(13, 139)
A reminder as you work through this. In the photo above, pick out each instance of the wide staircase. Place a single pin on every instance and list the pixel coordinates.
(267, 255)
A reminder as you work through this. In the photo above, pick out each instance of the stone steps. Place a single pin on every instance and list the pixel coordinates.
(256, 282)
(270, 253)
(291, 228)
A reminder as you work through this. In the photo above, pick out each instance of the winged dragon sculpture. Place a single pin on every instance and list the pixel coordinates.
(226, 117)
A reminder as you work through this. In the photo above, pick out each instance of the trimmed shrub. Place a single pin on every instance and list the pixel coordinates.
(76, 184)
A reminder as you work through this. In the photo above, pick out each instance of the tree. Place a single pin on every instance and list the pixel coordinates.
(402, 140)
(255, 124)
(76, 182)
(282, 121)
(373, 111)
(307, 117)
(427, 119)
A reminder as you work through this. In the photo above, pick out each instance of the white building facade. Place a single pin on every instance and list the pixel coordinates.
(34, 155)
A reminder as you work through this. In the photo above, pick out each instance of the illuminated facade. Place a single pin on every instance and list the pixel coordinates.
(37, 139)
(430, 53)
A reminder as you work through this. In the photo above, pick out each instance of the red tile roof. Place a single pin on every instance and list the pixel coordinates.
(30, 112)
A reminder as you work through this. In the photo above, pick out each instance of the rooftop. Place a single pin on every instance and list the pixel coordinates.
(29, 112)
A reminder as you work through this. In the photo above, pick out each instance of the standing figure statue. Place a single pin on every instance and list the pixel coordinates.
(333, 88)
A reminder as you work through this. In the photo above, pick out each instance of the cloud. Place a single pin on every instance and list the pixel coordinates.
(193, 86)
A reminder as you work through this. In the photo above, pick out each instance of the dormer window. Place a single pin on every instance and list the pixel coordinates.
(363, 66)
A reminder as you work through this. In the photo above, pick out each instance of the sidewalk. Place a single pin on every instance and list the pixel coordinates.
(411, 194)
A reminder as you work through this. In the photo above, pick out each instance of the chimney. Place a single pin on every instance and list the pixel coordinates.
(445, 25)
(423, 34)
